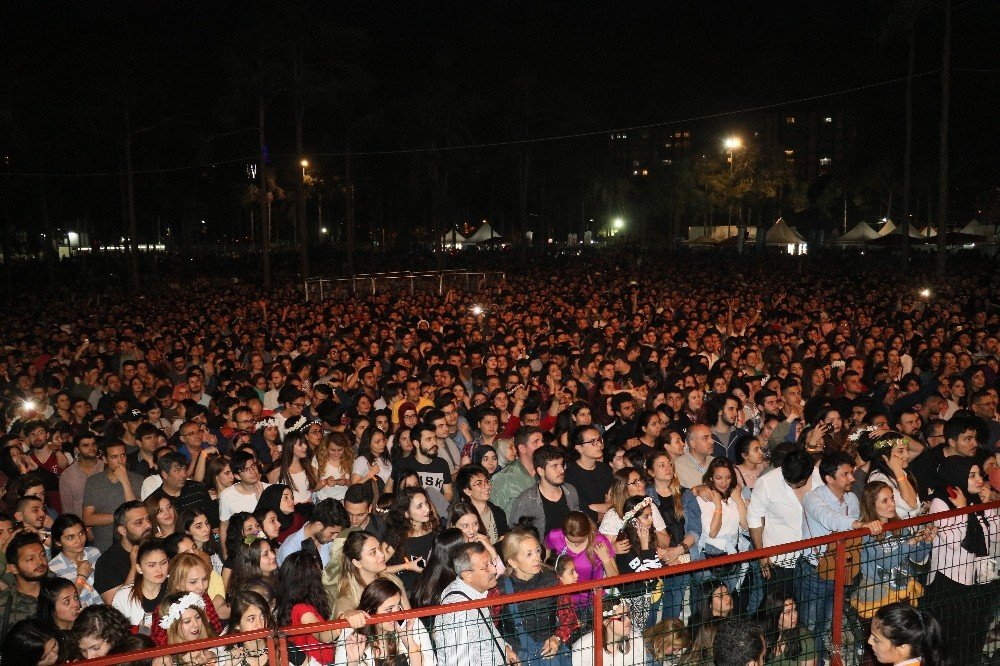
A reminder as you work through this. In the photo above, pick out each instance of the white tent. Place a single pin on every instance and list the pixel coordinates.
(485, 232)
(453, 239)
(913, 233)
(860, 233)
(782, 234)
(887, 229)
(976, 228)
(927, 232)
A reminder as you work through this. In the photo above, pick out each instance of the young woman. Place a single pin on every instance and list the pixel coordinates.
(905, 636)
(412, 526)
(373, 458)
(240, 526)
(162, 515)
(401, 445)
(218, 476)
(183, 620)
(591, 552)
(722, 518)
(466, 519)
(472, 484)
(641, 554)
(628, 482)
(97, 631)
(58, 608)
(787, 642)
(385, 642)
(751, 462)
(280, 499)
(138, 600)
(887, 559)
(269, 527)
(254, 564)
(188, 573)
(552, 619)
(301, 600)
(668, 641)
(194, 523)
(485, 456)
(622, 643)
(73, 559)
(363, 561)
(295, 469)
(334, 464)
(438, 573)
(30, 643)
(890, 460)
(251, 612)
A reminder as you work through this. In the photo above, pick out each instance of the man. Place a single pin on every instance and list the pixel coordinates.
(791, 409)
(738, 642)
(105, 492)
(277, 377)
(30, 511)
(470, 638)
(196, 385)
(726, 410)
(489, 428)
(829, 508)
(411, 393)
(768, 404)
(317, 535)
(692, 465)
(961, 439)
(183, 492)
(430, 468)
(141, 462)
(74, 478)
(42, 450)
(447, 448)
(116, 565)
(194, 437)
(519, 474)
(623, 428)
(547, 502)
(358, 504)
(984, 405)
(294, 405)
(28, 564)
(589, 474)
(243, 494)
(775, 518)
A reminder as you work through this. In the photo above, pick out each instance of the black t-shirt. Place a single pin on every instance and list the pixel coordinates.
(112, 568)
(555, 512)
(675, 525)
(193, 494)
(434, 474)
(591, 485)
(414, 548)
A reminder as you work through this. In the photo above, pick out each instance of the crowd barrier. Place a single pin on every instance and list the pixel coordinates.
(653, 599)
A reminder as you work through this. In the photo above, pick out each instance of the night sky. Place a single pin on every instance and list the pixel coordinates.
(411, 76)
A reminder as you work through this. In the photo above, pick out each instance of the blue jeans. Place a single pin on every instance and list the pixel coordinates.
(815, 598)
(672, 602)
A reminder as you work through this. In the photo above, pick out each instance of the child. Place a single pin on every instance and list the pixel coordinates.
(668, 641)
(590, 551)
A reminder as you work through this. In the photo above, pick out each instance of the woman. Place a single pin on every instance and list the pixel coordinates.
(138, 600)
(539, 628)
(189, 573)
(391, 642)
(722, 518)
(961, 574)
(294, 469)
(649, 425)
(888, 559)
(959, 395)
(905, 636)
(269, 525)
(30, 643)
(787, 642)
(751, 462)
(251, 612)
(668, 500)
(255, 563)
(195, 524)
(73, 559)
(162, 515)
(710, 604)
(301, 600)
(628, 482)
(373, 458)
(472, 483)
(401, 445)
(438, 573)
(184, 620)
(363, 561)
(333, 465)
(668, 641)
(98, 630)
(218, 476)
(890, 460)
(240, 526)
(592, 553)
(279, 498)
(622, 644)
(58, 608)
(465, 518)
(485, 456)
(412, 526)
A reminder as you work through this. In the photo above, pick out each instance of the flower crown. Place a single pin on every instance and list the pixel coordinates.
(889, 443)
(856, 435)
(189, 600)
(269, 422)
(637, 509)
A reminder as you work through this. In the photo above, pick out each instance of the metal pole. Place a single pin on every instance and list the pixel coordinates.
(837, 632)
(598, 627)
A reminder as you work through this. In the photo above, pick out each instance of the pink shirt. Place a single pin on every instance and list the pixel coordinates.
(588, 566)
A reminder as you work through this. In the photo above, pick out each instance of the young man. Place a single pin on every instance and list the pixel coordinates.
(116, 566)
(74, 478)
(447, 449)
(28, 564)
(243, 494)
(519, 474)
(141, 461)
(105, 492)
(589, 474)
(317, 535)
(183, 492)
(551, 498)
(432, 470)
(358, 504)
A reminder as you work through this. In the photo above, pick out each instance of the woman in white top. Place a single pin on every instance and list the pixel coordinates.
(333, 466)
(384, 642)
(137, 601)
(723, 516)
(295, 468)
(888, 452)
(373, 457)
(629, 482)
(622, 643)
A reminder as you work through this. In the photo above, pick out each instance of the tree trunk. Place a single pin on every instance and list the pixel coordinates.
(300, 192)
(908, 147)
(263, 193)
(130, 226)
(48, 257)
(942, 244)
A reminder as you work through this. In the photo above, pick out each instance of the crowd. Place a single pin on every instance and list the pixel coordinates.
(202, 462)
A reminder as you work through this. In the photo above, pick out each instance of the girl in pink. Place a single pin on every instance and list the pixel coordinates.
(591, 552)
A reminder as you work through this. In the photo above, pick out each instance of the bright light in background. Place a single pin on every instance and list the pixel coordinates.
(925, 293)
(304, 163)
(323, 230)
(477, 310)
(618, 223)
(733, 142)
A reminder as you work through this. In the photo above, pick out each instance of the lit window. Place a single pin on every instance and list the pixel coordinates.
(828, 119)
(789, 120)
(825, 161)
(687, 135)
(789, 152)
(645, 172)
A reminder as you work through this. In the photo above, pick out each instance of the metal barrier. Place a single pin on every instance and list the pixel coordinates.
(837, 613)
(406, 280)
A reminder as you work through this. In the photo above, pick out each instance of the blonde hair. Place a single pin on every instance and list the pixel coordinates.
(670, 633)
(173, 631)
(512, 543)
(180, 569)
(342, 441)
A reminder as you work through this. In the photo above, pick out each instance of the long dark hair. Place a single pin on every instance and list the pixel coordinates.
(188, 516)
(25, 642)
(50, 589)
(701, 601)
(770, 618)
(148, 546)
(438, 573)
(98, 621)
(398, 525)
(246, 566)
(301, 577)
(61, 524)
(630, 529)
(374, 595)
(288, 456)
(903, 624)
(245, 599)
(365, 446)
(234, 529)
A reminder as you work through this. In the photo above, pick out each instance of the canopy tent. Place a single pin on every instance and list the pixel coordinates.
(887, 229)
(782, 234)
(485, 232)
(977, 228)
(453, 239)
(927, 232)
(913, 233)
(860, 233)
(703, 240)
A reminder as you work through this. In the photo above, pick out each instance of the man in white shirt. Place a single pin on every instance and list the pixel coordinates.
(242, 495)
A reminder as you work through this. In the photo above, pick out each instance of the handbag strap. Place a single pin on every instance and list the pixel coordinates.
(515, 613)
(496, 642)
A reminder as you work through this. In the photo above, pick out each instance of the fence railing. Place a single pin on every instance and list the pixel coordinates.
(838, 611)
(399, 280)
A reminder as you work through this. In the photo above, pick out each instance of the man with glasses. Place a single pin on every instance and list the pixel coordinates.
(294, 401)
(984, 405)
(243, 494)
(589, 474)
(106, 491)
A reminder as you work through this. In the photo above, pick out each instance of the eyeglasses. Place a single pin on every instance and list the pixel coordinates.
(593, 442)
(481, 483)
(637, 482)
(300, 405)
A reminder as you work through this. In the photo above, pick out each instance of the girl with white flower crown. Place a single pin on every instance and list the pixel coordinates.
(182, 616)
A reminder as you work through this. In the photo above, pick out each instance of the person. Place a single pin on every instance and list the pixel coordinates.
(751, 462)
(363, 561)
(58, 608)
(317, 534)
(30, 643)
(301, 600)
(469, 637)
(98, 630)
(905, 636)
(629, 482)
(255, 566)
(622, 644)
(72, 558)
(890, 458)
(472, 484)
(465, 518)
(359, 502)
(385, 642)
(295, 469)
(432, 470)
(138, 600)
(691, 466)
(372, 463)
(279, 498)
(588, 473)
(412, 527)
(738, 642)
(195, 523)
(183, 620)
(105, 492)
(251, 612)
(541, 628)
(74, 478)
(162, 515)
(186, 494)
(29, 566)
(592, 553)
(722, 518)
(888, 560)
(637, 550)
(788, 642)
(243, 495)
(332, 466)
(518, 475)
(961, 576)
(548, 501)
(188, 573)
(438, 572)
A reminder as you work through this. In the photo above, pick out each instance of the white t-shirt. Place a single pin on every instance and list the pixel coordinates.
(231, 501)
(336, 492)
(361, 468)
(583, 652)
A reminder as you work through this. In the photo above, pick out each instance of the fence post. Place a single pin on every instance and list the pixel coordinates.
(373, 286)
(598, 595)
(321, 290)
(305, 287)
(839, 582)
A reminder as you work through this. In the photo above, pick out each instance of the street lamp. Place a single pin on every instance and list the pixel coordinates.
(304, 164)
(732, 143)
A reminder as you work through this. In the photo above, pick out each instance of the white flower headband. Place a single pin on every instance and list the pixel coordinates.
(856, 435)
(269, 422)
(189, 600)
(637, 509)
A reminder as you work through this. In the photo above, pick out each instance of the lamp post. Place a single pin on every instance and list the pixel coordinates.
(731, 143)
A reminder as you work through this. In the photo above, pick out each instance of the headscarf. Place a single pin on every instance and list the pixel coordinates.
(480, 452)
(954, 472)
(404, 406)
(270, 500)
